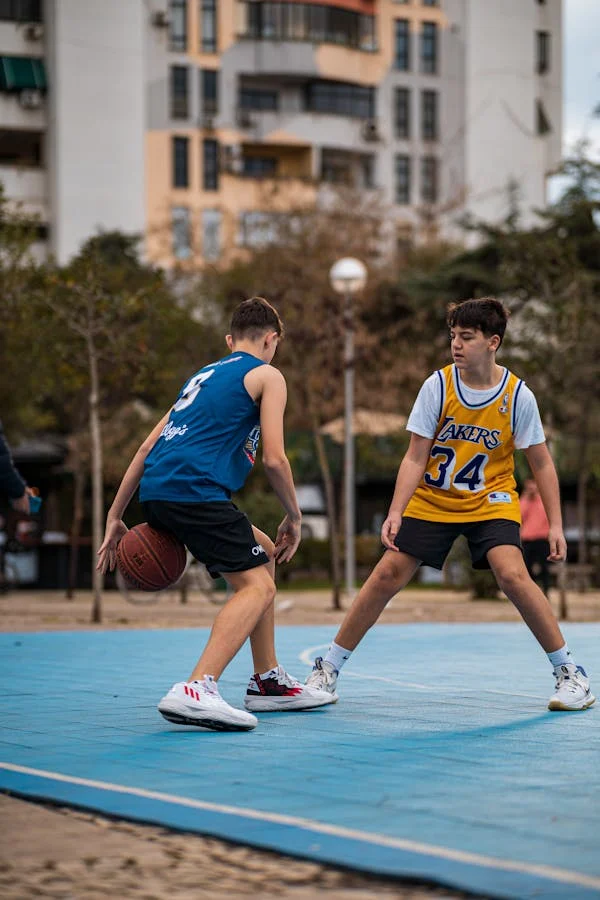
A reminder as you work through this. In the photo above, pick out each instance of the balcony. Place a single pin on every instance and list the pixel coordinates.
(307, 22)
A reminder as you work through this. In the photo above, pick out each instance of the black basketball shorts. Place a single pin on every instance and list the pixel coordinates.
(431, 542)
(217, 534)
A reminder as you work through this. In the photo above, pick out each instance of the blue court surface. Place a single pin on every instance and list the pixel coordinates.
(440, 762)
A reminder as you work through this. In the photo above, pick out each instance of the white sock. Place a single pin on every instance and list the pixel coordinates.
(272, 673)
(337, 656)
(561, 657)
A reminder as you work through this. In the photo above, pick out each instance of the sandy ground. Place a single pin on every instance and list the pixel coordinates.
(62, 853)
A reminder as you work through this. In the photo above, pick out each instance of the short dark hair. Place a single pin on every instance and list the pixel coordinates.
(253, 317)
(486, 313)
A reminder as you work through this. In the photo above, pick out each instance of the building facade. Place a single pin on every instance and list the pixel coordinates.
(72, 87)
(200, 121)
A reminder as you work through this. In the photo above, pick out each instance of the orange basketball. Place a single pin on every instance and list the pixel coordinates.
(150, 560)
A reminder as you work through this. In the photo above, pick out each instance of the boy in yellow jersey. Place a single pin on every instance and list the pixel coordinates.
(457, 479)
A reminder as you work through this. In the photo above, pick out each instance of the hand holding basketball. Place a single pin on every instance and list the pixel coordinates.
(107, 554)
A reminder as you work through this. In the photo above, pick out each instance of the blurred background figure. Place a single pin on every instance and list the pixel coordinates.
(12, 485)
(534, 534)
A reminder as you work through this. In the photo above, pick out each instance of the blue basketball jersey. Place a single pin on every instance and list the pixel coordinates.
(208, 447)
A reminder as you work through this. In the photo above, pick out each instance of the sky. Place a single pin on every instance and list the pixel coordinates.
(581, 50)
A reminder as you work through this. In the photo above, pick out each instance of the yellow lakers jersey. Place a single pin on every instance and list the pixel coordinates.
(469, 475)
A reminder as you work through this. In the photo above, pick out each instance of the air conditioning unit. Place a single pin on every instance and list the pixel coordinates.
(244, 118)
(231, 159)
(370, 130)
(33, 32)
(160, 19)
(31, 99)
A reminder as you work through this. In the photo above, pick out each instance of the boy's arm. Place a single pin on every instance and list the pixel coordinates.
(409, 475)
(115, 527)
(273, 398)
(544, 472)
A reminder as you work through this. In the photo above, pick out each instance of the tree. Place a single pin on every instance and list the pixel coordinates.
(114, 331)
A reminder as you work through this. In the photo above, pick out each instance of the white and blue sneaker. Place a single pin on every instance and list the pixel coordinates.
(323, 678)
(200, 703)
(572, 689)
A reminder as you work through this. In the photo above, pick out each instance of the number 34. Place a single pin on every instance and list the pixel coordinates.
(469, 478)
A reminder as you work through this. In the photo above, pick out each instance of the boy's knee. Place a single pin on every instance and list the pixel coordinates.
(389, 574)
(267, 589)
(512, 579)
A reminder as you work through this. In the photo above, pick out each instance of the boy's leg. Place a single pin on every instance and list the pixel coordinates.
(254, 592)
(271, 688)
(511, 573)
(572, 685)
(262, 638)
(390, 575)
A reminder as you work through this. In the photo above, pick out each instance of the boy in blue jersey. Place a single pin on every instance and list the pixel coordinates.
(200, 452)
(457, 479)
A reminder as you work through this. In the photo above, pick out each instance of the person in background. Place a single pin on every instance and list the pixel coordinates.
(534, 533)
(12, 484)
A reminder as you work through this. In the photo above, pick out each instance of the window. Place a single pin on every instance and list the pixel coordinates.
(209, 91)
(210, 165)
(211, 234)
(179, 92)
(20, 11)
(182, 246)
(402, 45)
(208, 26)
(22, 73)
(340, 98)
(402, 113)
(542, 122)
(429, 188)
(430, 3)
(178, 25)
(257, 98)
(21, 148)
(429, 115)
(259, 166)
(542, 44)
(402, 168)
(180, 162)
(258, 229)
(429, 48)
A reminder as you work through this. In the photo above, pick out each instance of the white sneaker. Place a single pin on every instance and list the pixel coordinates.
(323, 678)
(279, 691)
(572, 689)
(200, 703)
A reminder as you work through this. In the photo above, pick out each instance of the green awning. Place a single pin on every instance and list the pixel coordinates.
(21, 73)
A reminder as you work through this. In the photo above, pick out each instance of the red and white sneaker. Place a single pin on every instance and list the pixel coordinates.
(279, 691)
(200, 703)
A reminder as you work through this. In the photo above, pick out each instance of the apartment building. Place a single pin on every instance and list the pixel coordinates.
(201, 121)
(72, 100)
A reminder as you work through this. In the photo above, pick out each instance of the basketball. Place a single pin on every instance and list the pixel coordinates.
(150, 560)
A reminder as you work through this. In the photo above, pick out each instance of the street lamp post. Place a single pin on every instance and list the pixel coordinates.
(348, 276)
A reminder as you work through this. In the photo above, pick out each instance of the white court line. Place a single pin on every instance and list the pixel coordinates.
(307, 656)
(474, 859)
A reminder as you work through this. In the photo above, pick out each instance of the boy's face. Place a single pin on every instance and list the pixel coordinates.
(470, 347)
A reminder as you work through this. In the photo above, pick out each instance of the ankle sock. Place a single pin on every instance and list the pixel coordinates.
(337, 655)
(272, 673)
(561, 657)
